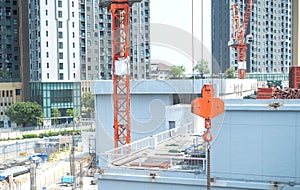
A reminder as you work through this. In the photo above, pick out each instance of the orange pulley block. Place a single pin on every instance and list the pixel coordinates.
(207, 107)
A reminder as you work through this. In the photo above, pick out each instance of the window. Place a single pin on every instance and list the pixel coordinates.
(60, 35)
(74, 65)
(18, 92)
(73, 34)
(89, 68)
(47, 54)
(46, 22)
(59, 14)
(61, 66)
(72, 3)
(59, 3)
(60, 55)
(48, 76)
(60, 45)
(73, 55)
(59, 24)
(61, 76)
(88, 34)
(47, 65)
(74, 76)
(73, 45)
(47, 44)
(73, 24)
(73, 14)
(46, 33)
(46, 2)
(46, 12)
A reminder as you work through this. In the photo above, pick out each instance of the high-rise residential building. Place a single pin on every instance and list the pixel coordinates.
(271, 28)
(96, 41)
(220, 35)
(54, 55)
(12, 60)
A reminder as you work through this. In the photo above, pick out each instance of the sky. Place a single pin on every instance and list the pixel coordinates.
(171, 31)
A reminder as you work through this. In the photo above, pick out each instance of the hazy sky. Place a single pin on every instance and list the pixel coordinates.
(178, 13)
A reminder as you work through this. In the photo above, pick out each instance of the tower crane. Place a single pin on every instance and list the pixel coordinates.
(120, 10)
(238, 36)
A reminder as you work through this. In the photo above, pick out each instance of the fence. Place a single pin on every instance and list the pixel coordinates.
(18, 132)
(27, 147)
(113, 156)
(14, 150)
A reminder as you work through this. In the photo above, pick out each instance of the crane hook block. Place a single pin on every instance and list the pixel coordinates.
(207, 106)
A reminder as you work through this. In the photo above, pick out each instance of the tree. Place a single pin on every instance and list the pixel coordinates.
(88, 103)
(24, 112)
(74, 114)
(177, 71)
(230, 73)
(56, 114)
(201, 67)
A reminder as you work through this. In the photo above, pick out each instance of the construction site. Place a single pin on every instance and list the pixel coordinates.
(212, 132)
(197, 134)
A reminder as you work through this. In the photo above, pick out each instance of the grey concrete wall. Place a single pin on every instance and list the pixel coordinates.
(148, 113)
(257, 142)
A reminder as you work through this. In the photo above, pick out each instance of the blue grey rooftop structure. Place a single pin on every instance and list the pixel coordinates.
(256, 146)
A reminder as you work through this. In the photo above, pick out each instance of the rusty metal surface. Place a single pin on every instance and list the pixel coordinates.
(278, 93)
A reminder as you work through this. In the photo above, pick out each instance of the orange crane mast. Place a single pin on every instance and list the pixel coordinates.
(238, 37)
(120, 10)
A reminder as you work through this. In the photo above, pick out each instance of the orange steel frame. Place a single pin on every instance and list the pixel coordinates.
(121, 83)
(239, 35)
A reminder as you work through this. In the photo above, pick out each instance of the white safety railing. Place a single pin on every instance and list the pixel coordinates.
(123, 152)
(172, 163)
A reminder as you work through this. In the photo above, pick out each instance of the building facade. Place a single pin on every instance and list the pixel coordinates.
(54, 55)
(12, 58)
(220, 35)
(271, 27)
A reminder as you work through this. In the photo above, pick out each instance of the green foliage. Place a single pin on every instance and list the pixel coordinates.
(24, 112)
(201, 67)
(29, 136)
(177, 71)
(56, 114)
(88, 102)
(174, 151)
(230, 73)
(74, 114)
(40, 119)
(57, 133)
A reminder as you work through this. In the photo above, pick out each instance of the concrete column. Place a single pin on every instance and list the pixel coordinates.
(32, 177)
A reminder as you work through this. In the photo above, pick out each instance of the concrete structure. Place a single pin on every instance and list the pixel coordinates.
(160, 71)
(152, 101)
(9, 38)
(256, 146)
(220, 35)
(54, 55)
(10, 93)
(139, 42)
(14, 60)
(271, 27)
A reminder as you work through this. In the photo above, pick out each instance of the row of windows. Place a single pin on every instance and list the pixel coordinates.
(59, 3)
(61, 76)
